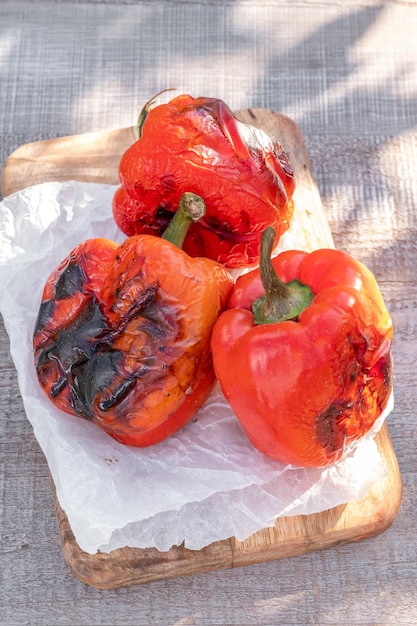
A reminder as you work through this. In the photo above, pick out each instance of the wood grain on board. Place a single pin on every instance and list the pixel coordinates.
(94, 157)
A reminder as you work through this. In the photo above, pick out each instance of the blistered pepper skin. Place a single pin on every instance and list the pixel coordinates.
(123, 336)
(196, 144)
(304, 390)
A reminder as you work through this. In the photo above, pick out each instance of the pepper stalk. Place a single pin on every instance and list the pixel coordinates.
(146, 108)
(282, 301)
(191, 208)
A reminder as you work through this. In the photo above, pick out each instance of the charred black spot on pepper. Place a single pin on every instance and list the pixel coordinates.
(72, 348)
(78, 400)
(58, 386)
(382, 371)
(98, 376)
(119, 394)
(328, 428)
(77, 341)
(386, 369)
(46, 312)
(145, 299)
(70, 281)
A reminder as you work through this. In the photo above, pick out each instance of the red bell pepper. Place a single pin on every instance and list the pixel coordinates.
(303, 354)
(198, 145)
(123, 333)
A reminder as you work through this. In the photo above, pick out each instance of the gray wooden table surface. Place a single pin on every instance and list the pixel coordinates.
(347, 73)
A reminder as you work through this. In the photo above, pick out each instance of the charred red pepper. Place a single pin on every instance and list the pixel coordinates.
(123, 333)
(198, 145)
(303, 354)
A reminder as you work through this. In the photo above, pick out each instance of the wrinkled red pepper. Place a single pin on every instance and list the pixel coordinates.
(303, 354)
(197, 145)
(123, 334)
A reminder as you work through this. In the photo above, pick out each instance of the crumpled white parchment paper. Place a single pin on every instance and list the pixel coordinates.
(204, 484)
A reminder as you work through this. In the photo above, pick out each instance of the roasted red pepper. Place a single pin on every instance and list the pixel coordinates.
(303, 354)
(198, 145)
(123, 334)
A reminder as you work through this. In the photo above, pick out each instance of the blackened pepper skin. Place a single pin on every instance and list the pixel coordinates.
(123, 335)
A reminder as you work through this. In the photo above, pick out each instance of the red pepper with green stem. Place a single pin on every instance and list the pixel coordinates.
(197, 144)
(303, 354)
(123, 332)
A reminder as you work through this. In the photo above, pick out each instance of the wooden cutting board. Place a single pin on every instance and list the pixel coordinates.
(94, 157)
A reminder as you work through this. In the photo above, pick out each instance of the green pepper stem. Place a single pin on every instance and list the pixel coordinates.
(146, 108)
(191, 208)
(282, 301)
